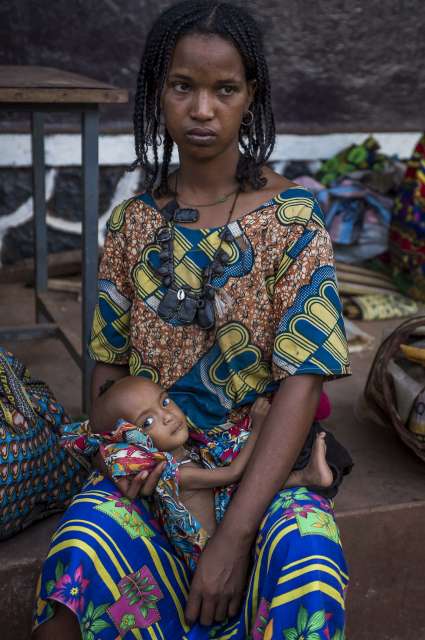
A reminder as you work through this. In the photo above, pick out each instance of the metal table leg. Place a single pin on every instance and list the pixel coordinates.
(90, 141)
(39, 199)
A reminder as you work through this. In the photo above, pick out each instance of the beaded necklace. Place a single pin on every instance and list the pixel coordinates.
(181, 303)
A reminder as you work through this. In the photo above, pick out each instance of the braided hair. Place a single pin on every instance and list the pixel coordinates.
(202, 17)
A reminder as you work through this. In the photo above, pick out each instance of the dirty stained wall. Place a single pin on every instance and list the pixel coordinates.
(334, 63)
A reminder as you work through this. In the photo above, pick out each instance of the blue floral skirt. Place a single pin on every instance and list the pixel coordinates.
(110, 563)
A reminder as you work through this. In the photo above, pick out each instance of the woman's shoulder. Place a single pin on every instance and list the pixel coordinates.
(290, 203)
(137, 206)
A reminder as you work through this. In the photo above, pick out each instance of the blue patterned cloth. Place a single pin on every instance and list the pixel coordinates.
(112, 566)
(37, 476)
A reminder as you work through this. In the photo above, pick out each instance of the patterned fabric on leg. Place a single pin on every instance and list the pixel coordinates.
(298, 584)
(112, 566)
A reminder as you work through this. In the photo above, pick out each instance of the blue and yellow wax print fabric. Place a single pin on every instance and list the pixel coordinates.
(109, 562)
(282, 311)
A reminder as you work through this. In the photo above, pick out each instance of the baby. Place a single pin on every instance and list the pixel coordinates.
(153, 428)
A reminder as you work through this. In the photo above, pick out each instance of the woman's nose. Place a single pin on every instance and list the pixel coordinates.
(202, 106)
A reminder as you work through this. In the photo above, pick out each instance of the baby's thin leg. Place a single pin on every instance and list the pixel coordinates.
(317, 471)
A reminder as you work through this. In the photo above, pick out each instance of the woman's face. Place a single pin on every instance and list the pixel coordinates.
(205, 96)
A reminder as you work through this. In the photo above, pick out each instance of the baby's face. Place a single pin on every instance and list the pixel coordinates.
(157, 415)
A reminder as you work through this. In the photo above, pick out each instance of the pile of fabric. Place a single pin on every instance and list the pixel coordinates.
(374, 208)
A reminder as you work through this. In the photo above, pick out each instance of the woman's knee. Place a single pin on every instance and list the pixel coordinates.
(292, 544)
(63, 625)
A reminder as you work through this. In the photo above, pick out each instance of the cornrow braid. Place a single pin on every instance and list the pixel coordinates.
(201, 17)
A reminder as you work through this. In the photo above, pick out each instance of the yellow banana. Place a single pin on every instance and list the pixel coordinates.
(416, 354)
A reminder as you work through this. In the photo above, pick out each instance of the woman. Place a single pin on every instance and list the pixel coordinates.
(218, 283)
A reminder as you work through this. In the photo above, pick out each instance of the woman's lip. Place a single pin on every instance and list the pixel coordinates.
(199, 131)
(201, 140)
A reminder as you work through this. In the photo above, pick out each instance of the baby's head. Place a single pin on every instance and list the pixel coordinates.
(144, 404)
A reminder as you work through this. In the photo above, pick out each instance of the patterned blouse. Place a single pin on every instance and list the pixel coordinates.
(281, 313)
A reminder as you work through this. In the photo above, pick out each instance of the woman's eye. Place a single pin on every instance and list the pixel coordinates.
(166, 402)
(147, 423)
(181, 87)
(227, 90)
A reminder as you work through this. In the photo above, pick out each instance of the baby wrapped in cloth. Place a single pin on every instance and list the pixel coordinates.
(200, 473)
(127, 451)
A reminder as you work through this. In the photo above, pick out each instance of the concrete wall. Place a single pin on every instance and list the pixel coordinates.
(345, 64)
(336, 65)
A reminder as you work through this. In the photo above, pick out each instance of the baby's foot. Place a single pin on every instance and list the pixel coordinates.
(259, 411)
(317, 472)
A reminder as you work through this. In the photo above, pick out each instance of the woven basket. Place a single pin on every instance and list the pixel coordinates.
(379, 391)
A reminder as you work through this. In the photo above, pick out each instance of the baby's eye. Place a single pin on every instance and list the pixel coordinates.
(147, 423)
(166, 402)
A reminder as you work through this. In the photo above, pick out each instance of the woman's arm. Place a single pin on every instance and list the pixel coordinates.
(220, 578)
(283, 435)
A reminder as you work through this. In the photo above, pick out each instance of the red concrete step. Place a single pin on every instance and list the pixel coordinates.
(385, 552)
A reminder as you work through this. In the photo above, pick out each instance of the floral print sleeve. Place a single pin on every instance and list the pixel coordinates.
(309, 336)
(110, 342)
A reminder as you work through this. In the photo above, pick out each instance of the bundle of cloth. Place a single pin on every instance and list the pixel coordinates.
(407, 230)
(126, 450)
(38, 476)
(356, 190)
(375, 213)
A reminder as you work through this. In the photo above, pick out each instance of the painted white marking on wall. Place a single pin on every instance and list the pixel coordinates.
(25, 211)
(321, 147)
(126, 187)
(64, 150)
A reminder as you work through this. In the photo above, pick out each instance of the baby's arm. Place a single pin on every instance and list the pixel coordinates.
(199, 478)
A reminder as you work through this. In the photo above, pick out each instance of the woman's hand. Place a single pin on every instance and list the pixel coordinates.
(219, 581)
(144, 484)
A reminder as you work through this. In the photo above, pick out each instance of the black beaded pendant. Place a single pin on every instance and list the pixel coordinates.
(180, 303)
(172, 212)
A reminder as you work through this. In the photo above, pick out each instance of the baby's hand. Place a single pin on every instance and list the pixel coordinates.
(258, 413)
